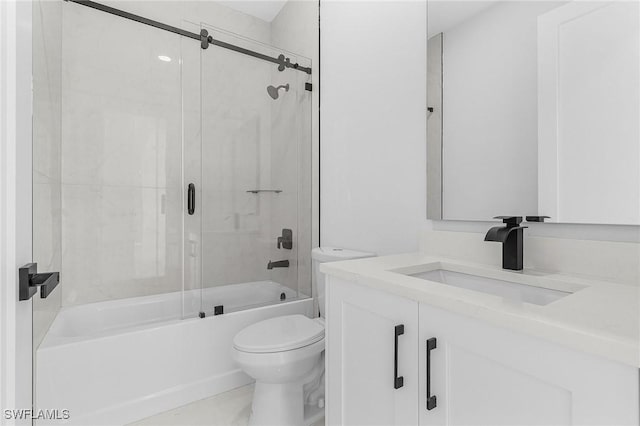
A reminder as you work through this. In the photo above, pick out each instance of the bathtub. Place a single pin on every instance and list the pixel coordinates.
(119, 361)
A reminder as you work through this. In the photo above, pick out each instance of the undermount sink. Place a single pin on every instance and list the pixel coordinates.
(507, 289)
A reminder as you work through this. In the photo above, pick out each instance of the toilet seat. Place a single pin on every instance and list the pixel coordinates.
(280, 334)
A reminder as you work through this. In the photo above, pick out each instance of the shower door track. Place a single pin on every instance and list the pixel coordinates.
(204, 38)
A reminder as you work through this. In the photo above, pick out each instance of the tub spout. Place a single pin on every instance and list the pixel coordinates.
(278, 264)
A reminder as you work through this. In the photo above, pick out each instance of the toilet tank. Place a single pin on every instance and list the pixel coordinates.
(330, 254)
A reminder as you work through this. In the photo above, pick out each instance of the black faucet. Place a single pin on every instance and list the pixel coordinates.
(278, 264)
(511, 236)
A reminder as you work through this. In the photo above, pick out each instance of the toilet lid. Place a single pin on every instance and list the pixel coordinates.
(279, 334)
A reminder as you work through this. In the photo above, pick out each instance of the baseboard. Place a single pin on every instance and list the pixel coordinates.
(163, 401)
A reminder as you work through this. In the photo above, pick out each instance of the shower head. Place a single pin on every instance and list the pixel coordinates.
(274, 91)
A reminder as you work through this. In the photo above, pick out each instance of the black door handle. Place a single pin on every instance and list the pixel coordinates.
(191, 199)
(398, 381)
(30, 280)
(431, 399)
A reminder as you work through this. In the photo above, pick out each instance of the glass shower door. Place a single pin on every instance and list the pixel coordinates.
(107, 186)
(255, 127)
(108, 160)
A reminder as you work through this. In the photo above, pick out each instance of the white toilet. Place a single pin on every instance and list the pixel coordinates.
(285, 355)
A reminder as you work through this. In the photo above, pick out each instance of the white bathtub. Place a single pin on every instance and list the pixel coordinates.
(119, 361)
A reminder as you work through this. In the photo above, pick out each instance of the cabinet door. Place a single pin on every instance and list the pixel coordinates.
(361, 356)
(486, 375)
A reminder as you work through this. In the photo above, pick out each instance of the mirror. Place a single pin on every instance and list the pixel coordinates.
(534, 110)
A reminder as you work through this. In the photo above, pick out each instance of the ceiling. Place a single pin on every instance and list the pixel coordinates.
(262, 9)
(445, 14)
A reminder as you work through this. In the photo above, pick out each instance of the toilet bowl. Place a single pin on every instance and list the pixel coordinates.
(280, 354)
(285, 356)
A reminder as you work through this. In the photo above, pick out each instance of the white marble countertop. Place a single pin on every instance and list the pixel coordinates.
(600, 317)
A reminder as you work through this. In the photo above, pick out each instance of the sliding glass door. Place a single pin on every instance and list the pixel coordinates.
(164, 169)
(255, 159)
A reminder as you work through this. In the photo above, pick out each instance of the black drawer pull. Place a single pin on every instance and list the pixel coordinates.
(398, 381)
(431, 399)
(191, 199)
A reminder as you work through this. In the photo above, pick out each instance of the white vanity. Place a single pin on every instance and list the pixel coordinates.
(420, 339)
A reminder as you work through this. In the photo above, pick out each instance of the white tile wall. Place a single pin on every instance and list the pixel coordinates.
(121, 158)
(294, 29)
(236, 157)
(47, 226)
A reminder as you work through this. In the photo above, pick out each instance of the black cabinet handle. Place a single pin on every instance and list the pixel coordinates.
(191, 199)
(431, 399)
(398, 381)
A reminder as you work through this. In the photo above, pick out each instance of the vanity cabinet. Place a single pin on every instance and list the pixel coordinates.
(483, 374)
(372, 351)
(478, 373)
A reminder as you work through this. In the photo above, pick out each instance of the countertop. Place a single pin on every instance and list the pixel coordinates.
(601, 318)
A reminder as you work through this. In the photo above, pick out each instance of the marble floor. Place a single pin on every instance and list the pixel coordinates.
(227, 409)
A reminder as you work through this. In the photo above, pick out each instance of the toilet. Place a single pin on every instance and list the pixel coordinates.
(285, 356)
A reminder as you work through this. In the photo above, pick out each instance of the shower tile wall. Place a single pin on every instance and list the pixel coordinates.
(291, 30)
(284, 174)
(121, 159)
(122, 200)
(237, 157)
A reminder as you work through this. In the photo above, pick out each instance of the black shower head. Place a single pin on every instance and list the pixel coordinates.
(274, 91)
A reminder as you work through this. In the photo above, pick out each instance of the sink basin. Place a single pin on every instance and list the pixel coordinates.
(507, 289)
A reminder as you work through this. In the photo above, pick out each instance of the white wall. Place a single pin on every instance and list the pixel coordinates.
(373, 124)
(15, 205)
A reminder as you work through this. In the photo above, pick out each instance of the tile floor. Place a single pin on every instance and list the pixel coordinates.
(227, 409)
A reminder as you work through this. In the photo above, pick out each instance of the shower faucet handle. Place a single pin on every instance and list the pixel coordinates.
(286, 240)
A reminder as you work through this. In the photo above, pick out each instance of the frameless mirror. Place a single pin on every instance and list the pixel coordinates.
(534, 110)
